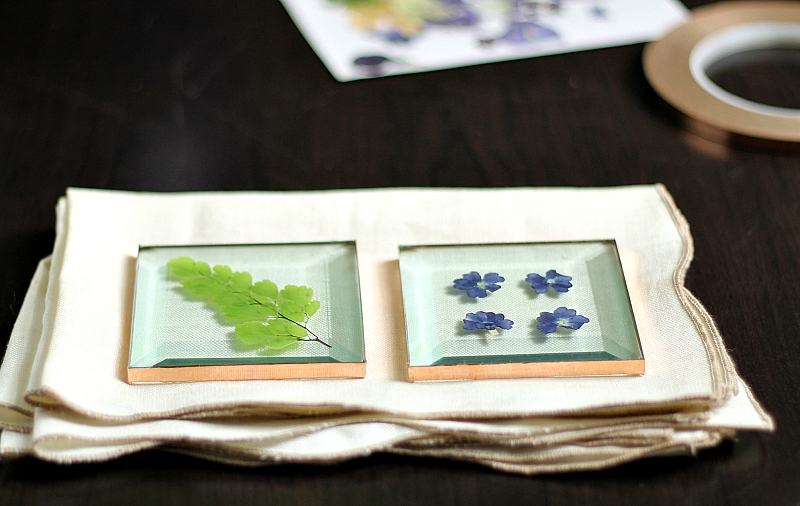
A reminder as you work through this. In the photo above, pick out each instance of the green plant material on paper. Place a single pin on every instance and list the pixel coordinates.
(263, 314)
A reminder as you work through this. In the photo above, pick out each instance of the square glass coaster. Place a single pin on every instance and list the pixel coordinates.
(177, 336)
(440, 348)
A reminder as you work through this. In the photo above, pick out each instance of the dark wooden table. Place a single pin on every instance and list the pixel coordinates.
(224, 95)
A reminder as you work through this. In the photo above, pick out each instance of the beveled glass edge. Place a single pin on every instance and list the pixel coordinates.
(141, 247)
(404, 247)
(612, 242)
(627, 295)
(229, 245)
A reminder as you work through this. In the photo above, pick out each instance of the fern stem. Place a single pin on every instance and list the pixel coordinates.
(307, 330)
(316, 337)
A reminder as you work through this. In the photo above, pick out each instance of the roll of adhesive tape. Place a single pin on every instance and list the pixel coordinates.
(676, 68)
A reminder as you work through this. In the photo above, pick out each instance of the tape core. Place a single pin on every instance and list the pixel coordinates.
(739, 39)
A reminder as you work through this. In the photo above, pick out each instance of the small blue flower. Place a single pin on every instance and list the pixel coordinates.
(561, 317)
(487, 321)
(559, 282)
(477, 286)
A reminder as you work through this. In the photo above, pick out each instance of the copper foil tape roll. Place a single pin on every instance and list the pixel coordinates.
(676, 68)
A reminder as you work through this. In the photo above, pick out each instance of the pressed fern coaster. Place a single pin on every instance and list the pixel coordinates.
(235, 312)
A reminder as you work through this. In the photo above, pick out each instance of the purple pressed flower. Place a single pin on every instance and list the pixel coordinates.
(395, 36)
(598, 12)
(559, 282)
(459, 14)
(561, 317)
(477, 286)
(523, 32)
(487, 321)
(370, 61)
(377, 65)
(372, 66)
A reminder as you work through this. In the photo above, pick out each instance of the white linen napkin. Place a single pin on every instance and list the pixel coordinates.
(103, 230)
(69, 347)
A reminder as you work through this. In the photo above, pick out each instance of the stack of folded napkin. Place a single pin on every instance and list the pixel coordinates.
(64, 398)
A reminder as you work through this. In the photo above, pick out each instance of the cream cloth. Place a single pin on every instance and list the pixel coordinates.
(15, 413)
(527, 446)
(86, 356)
(69, 346)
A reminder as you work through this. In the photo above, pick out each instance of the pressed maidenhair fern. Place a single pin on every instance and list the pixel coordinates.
(263, 314)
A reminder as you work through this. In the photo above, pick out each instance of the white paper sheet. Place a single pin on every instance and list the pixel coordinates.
(371, 38)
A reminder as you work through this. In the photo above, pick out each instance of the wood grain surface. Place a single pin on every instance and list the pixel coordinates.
(225, 95)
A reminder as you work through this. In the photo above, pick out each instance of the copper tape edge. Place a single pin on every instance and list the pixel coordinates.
(354, 370)
(525, 370)
(666, 66)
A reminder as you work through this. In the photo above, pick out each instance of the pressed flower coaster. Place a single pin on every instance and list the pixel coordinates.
(484, 311)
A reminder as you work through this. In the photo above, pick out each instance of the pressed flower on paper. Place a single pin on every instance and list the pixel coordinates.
(401, 20)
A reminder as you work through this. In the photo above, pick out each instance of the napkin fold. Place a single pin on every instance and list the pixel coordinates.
(63, 396)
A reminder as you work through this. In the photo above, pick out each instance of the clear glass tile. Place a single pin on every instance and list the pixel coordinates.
(435, 309)
(172, 328)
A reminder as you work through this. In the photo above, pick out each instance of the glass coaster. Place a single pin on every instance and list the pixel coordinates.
(517, 310)
(204, 313)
